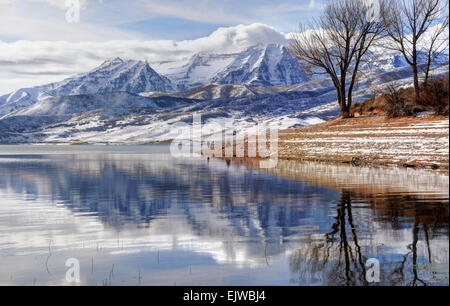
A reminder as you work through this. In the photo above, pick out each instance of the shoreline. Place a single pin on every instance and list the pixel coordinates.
(369, 163)
(411, 142)
(337, 175)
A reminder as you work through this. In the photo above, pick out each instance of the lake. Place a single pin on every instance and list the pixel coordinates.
(135, 215)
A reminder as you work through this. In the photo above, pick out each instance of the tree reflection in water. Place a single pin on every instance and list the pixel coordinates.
(340, 259)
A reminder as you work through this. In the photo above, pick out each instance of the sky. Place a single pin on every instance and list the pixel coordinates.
(102, 20)
(43, 40)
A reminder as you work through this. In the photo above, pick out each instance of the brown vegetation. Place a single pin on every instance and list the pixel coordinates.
(408, 141)
(369, 140)
(395, 102)
(435, 95)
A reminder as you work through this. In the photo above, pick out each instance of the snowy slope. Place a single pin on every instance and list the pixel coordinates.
(115, 75)
(83, 103)
(268, 65)
(197, 71)
(111, 105)
(219, 91)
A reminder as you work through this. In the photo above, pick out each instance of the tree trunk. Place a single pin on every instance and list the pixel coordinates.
(427, 71)
(416, 85)
(345, 110)
(349, 101)
(415, 69)
(345, 113)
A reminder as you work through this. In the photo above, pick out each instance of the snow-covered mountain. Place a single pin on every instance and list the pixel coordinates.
(83, 112)
(122, 117)
(113, 75)
(267, 65)
(263, 65)
(131, 101)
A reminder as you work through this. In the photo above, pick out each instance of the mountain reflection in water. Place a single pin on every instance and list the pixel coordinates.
(150, 219)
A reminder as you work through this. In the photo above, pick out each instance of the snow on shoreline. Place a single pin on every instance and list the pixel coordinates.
(419, 142)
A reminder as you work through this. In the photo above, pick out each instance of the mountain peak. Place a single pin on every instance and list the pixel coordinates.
(116, 74)
(113, 60)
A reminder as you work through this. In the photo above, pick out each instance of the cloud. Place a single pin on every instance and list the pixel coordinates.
(29, 63)
(45, 19)
(210, 11)
(105, 20)
(285, 8)
(43, 47)
(30, 21)
(62, 3)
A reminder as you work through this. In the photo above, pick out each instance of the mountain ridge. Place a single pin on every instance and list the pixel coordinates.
(112, 75)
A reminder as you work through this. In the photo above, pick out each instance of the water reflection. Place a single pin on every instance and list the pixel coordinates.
(340, 258)
(150, 219)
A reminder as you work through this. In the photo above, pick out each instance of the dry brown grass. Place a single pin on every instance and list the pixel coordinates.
(419, 141)
(435, 95)
(396, 103)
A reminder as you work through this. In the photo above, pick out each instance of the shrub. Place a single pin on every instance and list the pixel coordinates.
(435, 95)
(400, 102)
(396, 105)
(400, 109)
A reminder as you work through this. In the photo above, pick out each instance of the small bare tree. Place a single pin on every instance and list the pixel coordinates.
(336, 43)
(417, 28)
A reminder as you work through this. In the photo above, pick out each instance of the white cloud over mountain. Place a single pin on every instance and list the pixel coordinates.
(29, 63)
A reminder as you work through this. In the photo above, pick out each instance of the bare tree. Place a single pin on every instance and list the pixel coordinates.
(407, 23)
(438, 41)
(336, 44)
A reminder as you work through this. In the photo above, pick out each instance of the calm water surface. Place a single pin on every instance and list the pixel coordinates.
(137, 216)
